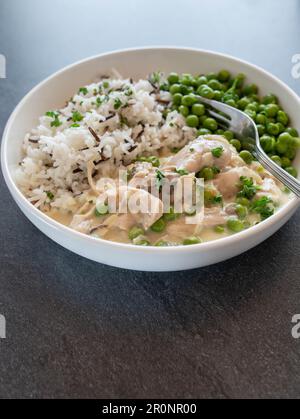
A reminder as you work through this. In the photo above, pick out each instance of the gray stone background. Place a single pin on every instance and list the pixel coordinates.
(79, 329)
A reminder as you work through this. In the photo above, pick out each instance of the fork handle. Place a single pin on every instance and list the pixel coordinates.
(288, 180)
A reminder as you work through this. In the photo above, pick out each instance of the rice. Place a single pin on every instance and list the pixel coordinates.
(106, 124)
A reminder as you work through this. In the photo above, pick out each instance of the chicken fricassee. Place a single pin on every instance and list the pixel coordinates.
(236, 196)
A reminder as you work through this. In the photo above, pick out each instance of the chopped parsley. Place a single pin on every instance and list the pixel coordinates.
(159, 179)
(105, 84)
(154, 77)
(83, 90)
(248, 189)
(77, 117)
(182, 172)
(75, 126)
(55, 115)
(217, 152)
(263, 206)
(218, 199)
(128, 92)
(50, 195)
(216, 170)
(118, 103)
(98, 101)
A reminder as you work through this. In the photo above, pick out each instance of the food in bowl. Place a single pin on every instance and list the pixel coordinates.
(154, 130)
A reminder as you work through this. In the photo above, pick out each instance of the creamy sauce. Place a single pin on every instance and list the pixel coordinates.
(198, 154)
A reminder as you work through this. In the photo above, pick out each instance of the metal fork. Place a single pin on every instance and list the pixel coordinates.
(246, 131)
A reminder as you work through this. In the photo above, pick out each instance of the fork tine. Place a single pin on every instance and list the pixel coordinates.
(219, 106)
(219, 118)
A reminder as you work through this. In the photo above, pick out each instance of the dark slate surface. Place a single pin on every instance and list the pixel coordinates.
(79, 329)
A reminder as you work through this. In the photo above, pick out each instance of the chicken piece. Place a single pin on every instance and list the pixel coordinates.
(228, 182)
(200, 153)
(214, 216)
(133, 207)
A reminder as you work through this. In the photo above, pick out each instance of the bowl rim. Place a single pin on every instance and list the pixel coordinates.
(206, 246)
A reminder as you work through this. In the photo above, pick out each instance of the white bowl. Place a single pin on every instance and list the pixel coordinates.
(53, 92)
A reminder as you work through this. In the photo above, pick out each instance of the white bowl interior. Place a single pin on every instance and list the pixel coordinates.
(53, 92)
(137, 64)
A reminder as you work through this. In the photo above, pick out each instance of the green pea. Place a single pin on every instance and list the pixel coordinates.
(191, 240)
(177, 99)
(158, 226)
(206, 173)
(210, 124)
(243, 201)
(250, 89)
(184, 110)
(269, 99)
(198, 109)
(241, 211)
(268, 143)
(141, 241)
(293, 132)
(220, 132)
(218, 95)
(281, 127)
(214, 84)
(272, 129)
(206, 91)
(229, 135)
(283, 118)
(219, 229)
(175, 88)
(101, 210)
(203, 131)
(271, 110)
(292, 171)
(185, 90)
(134, 232)
(192, 121)
(261, 108)
(243, 103)
(281, 147)
(231, 102)
(261, 119)
(285, 162)
(261, 130)
(246, 156)
(171, 215)
(277, 160)
(290, 153)
(223, 76)
(186, 79)
(211, 76)
(188, 100)
(251, 113)
(173, 78)
(202, 118)
(162, 243)
(236, 144)
(201, 80)
(235, 225)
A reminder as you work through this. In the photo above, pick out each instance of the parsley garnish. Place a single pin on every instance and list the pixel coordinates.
(75, 126)
(83, 90)
(248, 189)
(77, 117)
(50, 195)
(263, 206)
(56, 122)
(218, 199)
(216, 170)
(217, 152)
(105, 84)
(159, 178)
(182, 172)
(118, 103)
